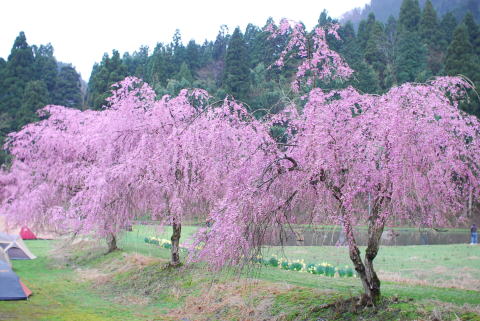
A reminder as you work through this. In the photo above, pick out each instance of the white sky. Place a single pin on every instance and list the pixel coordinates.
(81, 31)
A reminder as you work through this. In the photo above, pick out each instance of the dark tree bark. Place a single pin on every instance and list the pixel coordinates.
(365, 270)
(177, 230)
(112, 243)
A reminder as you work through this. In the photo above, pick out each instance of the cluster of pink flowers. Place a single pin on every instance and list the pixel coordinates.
(96, 171)
(317, 61)
(409, 155)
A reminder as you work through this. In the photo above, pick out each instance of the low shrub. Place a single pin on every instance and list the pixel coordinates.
(299, 266)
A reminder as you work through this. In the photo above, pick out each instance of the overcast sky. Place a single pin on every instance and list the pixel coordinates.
(81, 31)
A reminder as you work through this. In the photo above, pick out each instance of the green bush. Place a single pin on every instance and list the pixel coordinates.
(320, 269)
(349, 272)
(329, 270)
(311, 268)
(273, 262)
(296, 266)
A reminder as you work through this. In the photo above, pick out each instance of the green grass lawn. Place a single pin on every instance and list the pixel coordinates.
(135, 241)
(443, 265)
(58, 294)
(133, 284)
(455, 265)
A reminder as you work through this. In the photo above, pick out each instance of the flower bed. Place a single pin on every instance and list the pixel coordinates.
(167, 244)
(324, 268)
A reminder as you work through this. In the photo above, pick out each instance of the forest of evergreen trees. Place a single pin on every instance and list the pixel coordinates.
(31, 78)
(414, 45)
(383, 9)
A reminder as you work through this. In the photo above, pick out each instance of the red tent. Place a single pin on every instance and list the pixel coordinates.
(27, 291)
(27, 234)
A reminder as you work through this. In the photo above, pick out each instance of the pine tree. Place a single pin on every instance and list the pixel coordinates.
(45, 66)
(409, 17)
(5, 118)
(35, 97)
(108, 72)
(19, 70)
(136, 63)
(473, 31)
(429, 30)
(205, 53)
(448, 24)
(364, 78)
(251, 33)
(375, 49)
(20, 60)
(28, 81)
(365, 30)
(160, 66)
(184, 74)
(347, 32)
(250, 37)
(362, 34)
(324, 19)
(265, 50)
(117, 70)
(411, 57)
(3, 72)
(179, 51)
(237, 73)
(220, 44)
(411, 54)
(192, 55)
(391, 36)
(265, 94)
(461, 60)
(67, 88)
(431, 37)
(391, 32)
(98, 85)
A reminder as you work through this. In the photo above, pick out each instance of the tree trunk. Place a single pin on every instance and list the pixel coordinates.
(470, 199)
(177, 230)
(368, 276)
(375, 230)
(112, 243)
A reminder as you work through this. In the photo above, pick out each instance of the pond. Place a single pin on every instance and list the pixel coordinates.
(391, 237)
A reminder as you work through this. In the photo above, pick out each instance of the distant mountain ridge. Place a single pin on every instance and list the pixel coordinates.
(386, 8)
